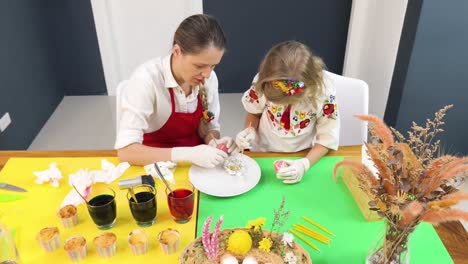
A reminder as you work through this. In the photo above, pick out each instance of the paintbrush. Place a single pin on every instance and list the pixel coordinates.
(140, 180)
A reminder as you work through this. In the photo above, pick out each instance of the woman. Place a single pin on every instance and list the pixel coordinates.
(170, 106)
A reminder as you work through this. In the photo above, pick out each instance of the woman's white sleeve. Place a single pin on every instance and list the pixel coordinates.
(137, 103)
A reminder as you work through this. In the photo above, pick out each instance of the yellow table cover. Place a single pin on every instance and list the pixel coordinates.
(38, 210)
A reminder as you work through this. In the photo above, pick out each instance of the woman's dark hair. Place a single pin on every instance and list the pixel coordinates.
(198, 32)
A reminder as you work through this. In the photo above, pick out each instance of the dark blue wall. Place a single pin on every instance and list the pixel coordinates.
(253, 27)
(73, 39)
(437, 72)
(48, 49)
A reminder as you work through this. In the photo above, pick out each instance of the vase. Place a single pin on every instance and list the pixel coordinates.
(391, 247)
(8, 251)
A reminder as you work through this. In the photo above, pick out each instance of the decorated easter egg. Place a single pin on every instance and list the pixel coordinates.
(228, 259)
(250, 260)
(279, 164)
(222, 147)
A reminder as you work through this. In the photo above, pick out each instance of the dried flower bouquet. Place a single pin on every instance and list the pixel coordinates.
(414, 182)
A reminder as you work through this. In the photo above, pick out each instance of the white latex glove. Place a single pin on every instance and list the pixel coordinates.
(245, 138)
(201, 155)
(294, 171)
(228, 141)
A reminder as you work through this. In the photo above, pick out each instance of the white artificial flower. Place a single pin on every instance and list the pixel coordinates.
(288, 239)
(290, 258)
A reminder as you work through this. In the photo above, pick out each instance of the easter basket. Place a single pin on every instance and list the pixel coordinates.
(195, 253)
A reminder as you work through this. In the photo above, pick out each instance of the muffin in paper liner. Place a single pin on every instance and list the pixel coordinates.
(75, 246)
(49, 238)
(68, 215)
(138, 240)
(106, 244)
(169, 240)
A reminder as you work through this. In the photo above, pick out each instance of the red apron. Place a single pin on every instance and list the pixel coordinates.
(180, 130)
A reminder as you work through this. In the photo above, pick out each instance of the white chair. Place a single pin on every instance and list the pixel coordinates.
(352, 96)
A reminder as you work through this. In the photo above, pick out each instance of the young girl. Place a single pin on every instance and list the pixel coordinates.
(291, 106)
(169, 109)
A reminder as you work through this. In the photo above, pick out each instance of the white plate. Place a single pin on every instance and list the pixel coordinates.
(217, 182)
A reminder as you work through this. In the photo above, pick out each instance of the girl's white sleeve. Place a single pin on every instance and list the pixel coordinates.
(328, 121)
(253, 103)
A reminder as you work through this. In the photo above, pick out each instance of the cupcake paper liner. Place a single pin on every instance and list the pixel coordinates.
(70, 221)
(50, 245)
(166, 247)
(79, 254)
(106, 251)
(141, 248)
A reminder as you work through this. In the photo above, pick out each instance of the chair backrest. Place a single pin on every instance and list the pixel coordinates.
(352, 96)
(120, 87)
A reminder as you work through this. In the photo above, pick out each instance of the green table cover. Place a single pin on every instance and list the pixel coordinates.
(324, 201)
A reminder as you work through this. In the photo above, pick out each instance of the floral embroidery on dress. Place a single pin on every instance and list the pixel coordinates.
(330, 108)
(299, 120)
(252, 97)
(271, 116)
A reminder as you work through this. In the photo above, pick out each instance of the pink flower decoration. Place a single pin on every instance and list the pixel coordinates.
(210, 241)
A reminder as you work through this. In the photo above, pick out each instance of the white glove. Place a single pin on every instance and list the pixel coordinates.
(228, 141)
(201, 155)
(245, 138)
(294, 171)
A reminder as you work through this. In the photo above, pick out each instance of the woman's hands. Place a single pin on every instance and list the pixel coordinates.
(202, 155)
(226, 141)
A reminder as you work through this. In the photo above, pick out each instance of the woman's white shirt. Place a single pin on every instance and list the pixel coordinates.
(145, 102)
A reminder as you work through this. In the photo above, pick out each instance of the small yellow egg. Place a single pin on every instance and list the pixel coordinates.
(239, 242)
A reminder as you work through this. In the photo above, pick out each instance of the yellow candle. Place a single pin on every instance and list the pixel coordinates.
(305, 240)
(317, 225)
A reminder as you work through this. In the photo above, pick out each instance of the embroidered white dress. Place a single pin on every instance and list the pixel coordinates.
(312, 121)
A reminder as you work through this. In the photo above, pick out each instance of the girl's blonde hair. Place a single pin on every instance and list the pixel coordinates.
(290, 60)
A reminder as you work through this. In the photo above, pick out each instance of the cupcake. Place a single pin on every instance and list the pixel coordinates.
(106, 244)
(169, 240)
(68, 215)
(49, 238)
(76, 248)
(138, 241)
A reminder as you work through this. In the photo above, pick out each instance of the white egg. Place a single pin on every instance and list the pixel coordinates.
(249, 260)
(229, 259)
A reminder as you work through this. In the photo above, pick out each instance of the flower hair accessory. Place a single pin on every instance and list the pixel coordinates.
(208, 116)
(289, 87)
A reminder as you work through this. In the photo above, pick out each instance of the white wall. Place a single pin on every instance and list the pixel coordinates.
(373, 39)
(131, 32)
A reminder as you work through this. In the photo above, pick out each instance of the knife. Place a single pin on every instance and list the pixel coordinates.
(10, 187)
